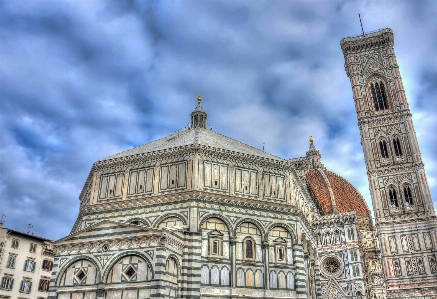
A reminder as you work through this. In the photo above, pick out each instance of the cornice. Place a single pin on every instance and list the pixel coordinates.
(341, 218)
(191, 196)
(378, 39)
(396, 169)
(156, 238)
(386, 119)
(156, 156)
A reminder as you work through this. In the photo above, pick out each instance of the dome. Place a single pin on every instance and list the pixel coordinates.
(335, 194)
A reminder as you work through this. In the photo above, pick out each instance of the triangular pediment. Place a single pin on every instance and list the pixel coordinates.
(280, 240)
(107, 229)
(215, 233)
(372, 65)
(334, 291)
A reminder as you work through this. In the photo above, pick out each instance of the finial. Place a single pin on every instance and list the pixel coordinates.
(199, 99)
(311, 139)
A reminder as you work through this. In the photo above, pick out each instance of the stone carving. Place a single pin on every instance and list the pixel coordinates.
(396, 267)
(392, 244)
(432, 264)
(427, 240)
(420, 265)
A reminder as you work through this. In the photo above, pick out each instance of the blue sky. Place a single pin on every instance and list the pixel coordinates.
(82, 80)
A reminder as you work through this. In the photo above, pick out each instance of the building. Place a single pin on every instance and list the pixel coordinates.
(199, 215)
(26, 263)
(404, 212)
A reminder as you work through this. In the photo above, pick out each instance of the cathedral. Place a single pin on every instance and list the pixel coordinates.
(200, 215)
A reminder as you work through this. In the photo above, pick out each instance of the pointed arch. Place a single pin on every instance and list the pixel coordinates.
(377, 87)
(393, 196)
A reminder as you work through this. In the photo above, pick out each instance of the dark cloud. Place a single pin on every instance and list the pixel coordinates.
(83, 80)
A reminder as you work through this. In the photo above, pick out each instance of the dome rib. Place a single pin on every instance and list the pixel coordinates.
(347, 197)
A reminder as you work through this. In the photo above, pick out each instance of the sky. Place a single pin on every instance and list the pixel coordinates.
(82, 80)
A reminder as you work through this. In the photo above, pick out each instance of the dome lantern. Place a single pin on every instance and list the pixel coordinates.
(198, 116)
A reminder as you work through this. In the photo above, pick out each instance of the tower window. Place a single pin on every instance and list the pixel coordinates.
(393, 198)
(379, 96)
(408, 196)
(397, 147)
(383, 148)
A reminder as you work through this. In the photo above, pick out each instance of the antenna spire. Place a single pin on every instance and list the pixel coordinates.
(361, 23)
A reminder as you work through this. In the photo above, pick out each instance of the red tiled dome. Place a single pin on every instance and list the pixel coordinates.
(347, 198)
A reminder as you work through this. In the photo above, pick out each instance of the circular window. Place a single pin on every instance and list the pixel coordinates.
(105, 247)
(331, 266)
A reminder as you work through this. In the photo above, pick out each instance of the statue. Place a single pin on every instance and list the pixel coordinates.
(397, 268)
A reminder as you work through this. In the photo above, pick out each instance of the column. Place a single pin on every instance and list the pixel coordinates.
(233, 272)
(266, 249)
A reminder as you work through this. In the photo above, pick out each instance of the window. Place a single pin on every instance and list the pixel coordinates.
(408, 196)
(397, 147)
(383, 148)
(15, 243)
(280, 253)
(215, 249)
(248, 249)
(354, 256)
(393, 198)
(7, 283)
(379, 96)
(47, 265)
(351, 234)
(11, 261)
(29, 265)
(32, 247)
(43, 285)
(280, 248)
(25, 286)
(215, 243)
(356, 271)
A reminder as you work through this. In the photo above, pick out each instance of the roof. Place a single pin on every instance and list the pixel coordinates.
(329, 187)
(199, 136)
(30, 236)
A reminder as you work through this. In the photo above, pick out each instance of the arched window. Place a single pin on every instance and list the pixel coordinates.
(393, 197)
(408, 196)
(383, 148)
(397, 147)
(248, 249)
(379, 96)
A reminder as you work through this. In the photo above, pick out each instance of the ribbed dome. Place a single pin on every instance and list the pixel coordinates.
(330, 188)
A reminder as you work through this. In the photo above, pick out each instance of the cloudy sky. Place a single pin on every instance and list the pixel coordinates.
(82, 80)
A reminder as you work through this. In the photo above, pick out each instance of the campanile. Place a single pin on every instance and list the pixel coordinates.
(404, 212)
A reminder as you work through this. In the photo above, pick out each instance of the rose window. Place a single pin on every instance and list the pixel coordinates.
(331, 265)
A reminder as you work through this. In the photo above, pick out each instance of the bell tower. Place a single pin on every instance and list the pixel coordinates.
(404, 212)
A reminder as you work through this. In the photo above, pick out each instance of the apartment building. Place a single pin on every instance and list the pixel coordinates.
(26, 263)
